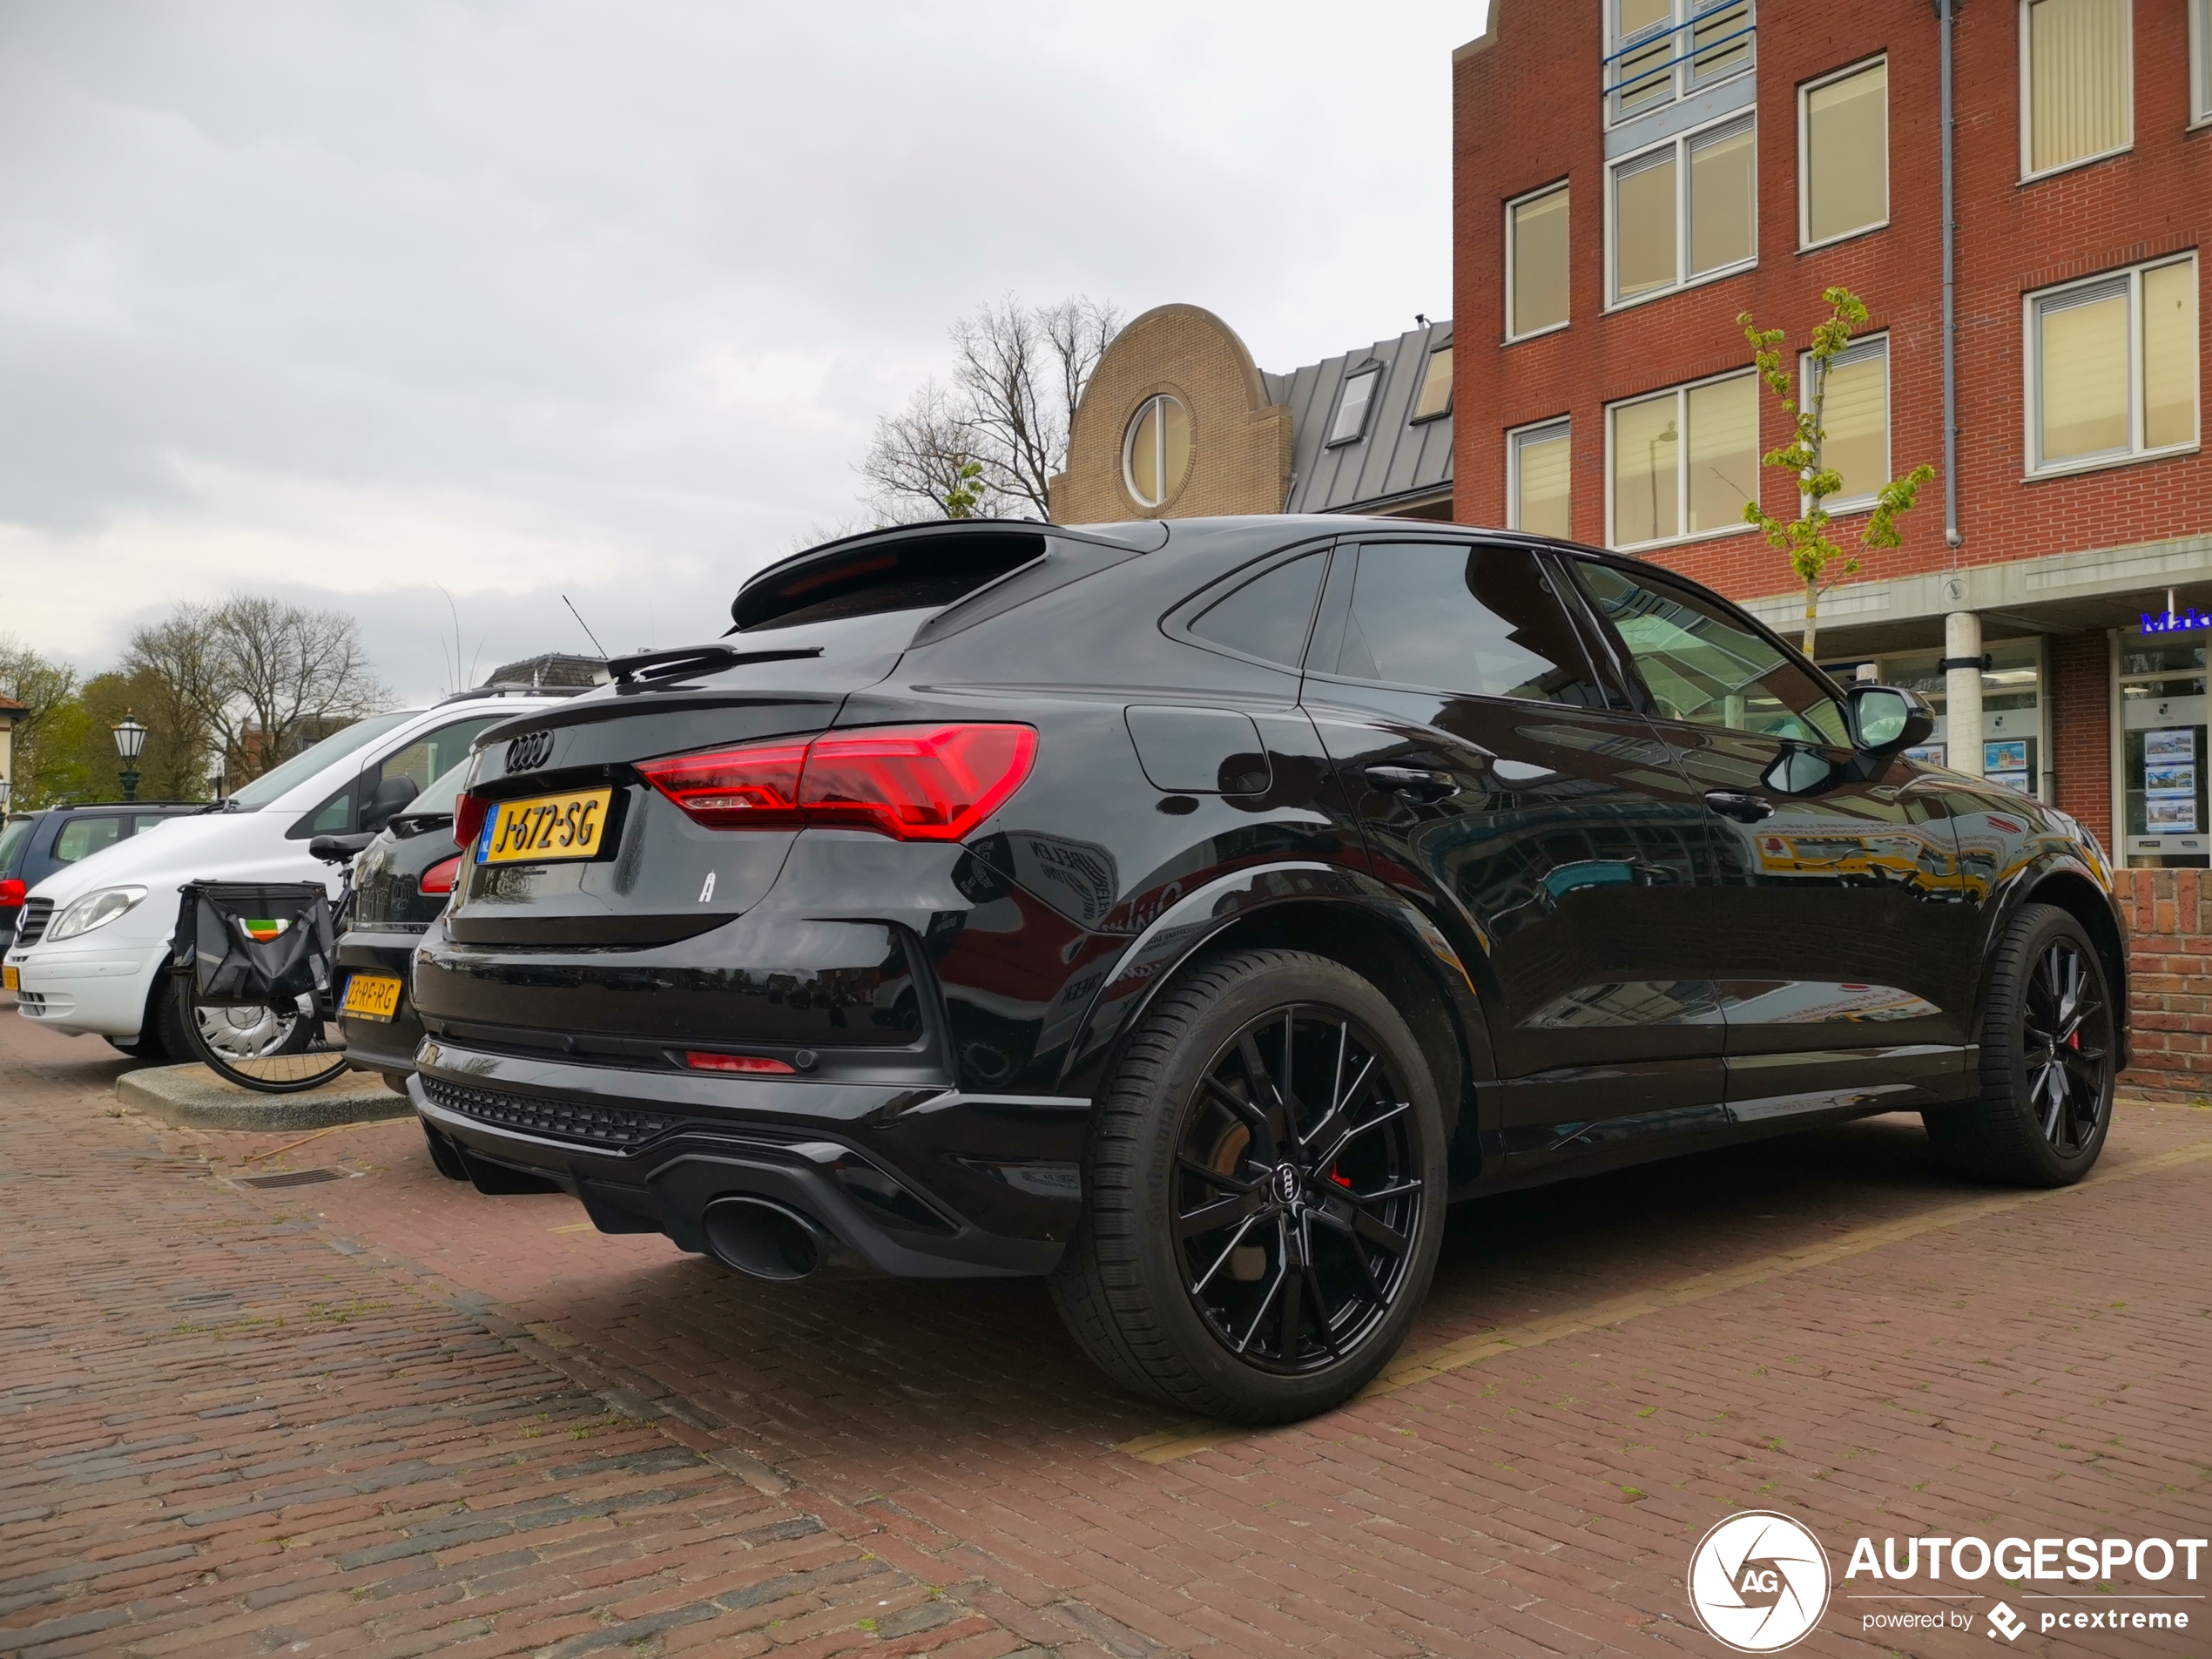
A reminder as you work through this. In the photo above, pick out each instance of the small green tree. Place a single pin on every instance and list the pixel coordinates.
(967, 490)
(1816, 559)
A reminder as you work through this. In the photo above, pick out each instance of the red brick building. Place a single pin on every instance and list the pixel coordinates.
(1629, 175)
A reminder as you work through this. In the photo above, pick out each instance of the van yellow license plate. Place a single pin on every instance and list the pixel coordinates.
(11, 978)
(544, 828)
(372, 997)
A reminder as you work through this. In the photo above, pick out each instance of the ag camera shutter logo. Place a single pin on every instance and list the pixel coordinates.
(1758, 1581)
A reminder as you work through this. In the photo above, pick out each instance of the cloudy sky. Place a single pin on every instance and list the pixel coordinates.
(352, 303)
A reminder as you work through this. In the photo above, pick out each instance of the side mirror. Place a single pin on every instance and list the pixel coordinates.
(1884, 718)
(390, 795)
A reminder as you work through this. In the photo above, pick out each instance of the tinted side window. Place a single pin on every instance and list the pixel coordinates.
(1706, 667)
(1269, 617)
(82, 837)
(18, 832)
(1458, 618)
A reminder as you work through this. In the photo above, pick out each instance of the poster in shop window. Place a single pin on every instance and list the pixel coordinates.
(2170, 781)
(2005, 762)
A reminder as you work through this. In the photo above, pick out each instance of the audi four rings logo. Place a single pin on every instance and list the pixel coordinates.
(1758, 1581)
(529, 750)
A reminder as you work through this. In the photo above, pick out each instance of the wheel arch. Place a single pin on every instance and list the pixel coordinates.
(1329, 912)
(2079, 895)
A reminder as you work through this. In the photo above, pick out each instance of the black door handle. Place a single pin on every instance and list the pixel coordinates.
(1415, 783)
(1736, 804)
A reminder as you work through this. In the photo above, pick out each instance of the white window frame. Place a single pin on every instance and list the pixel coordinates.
(1679, 143)
(1805, 152)
(1860, 349)
(2027, 109)
(1370, 369)
(1536, 431)
(2032, 362)
(1680, 394)
(1556, 187)
(2200, 63)
(1683, 74)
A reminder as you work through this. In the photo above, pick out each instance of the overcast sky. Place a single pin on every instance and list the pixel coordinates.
(347, 302)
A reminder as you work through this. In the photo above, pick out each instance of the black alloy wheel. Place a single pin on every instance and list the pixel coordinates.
(2049, 1057)
(1263, 1194)
(2066, 1036)
(1299, 1190)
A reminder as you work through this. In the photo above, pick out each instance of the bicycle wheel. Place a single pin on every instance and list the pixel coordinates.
(259, 1046)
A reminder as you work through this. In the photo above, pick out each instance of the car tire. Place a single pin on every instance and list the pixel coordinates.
(1318, 1272)
(2049, 1050)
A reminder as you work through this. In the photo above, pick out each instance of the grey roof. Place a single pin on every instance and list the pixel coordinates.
(556, 669)
(1393, 460)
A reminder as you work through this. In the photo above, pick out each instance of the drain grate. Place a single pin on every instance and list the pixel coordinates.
(291, 1178)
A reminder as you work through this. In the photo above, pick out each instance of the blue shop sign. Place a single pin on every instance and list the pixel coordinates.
(2176, 622)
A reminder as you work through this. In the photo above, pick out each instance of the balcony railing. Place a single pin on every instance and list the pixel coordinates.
(1670, 61)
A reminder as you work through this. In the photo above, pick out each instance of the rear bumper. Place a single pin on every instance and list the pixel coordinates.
(914, 1182)
(386, 1046)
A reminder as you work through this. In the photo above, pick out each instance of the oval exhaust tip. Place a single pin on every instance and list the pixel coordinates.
(762, 1238)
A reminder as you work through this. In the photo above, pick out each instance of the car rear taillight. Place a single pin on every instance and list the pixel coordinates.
(440, 877)
(468, 815)
(13, 893)
(913, 782)
(757, 1064)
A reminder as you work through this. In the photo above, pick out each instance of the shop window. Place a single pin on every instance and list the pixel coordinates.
(1686, 211)
(1358, 396)
(2077, 82)
(1434, 399)
(1856, 416)
(1537, 480)
(2162, 690)
(1156, 454)
(2015, 738)
(1536, 263)
(1844, 143)
(2113, 367)
(1685, 462)
(1659, 50)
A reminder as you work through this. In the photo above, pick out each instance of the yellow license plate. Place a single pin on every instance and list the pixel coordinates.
(372, 997)
(11, 978)
(544, 828)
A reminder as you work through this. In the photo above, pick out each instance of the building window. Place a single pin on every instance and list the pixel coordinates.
(1536, 263)
(1685, 211)
(1537, 476)
(1683, 463)
(1844, 141)
(1434, 399)
(1155, 454)
(1352, 404)
(1659, 50)
(2077, 88)
(2112, 366)
(2200, 60)
(1857, 419)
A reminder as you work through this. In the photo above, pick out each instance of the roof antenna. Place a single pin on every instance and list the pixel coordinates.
(586, 626)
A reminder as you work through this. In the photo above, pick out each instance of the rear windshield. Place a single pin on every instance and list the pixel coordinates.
(17, 833)
(293, 772)
(926, 573)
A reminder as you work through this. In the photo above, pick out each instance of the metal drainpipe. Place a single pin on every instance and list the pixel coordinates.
(1945, 12)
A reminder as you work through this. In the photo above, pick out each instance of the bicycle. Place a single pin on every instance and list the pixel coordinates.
(255, 966)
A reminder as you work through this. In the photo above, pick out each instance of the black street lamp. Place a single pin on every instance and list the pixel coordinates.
(130, 739)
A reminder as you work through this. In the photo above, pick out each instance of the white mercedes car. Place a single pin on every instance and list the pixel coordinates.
(92, 948)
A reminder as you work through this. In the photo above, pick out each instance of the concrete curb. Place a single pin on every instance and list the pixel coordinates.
(193, 1097)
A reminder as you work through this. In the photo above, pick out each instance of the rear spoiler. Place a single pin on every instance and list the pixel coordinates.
(683, 661)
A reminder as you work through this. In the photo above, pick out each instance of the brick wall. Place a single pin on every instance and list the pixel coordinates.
(2081, 701)
(1527, 113)
(2169, 969)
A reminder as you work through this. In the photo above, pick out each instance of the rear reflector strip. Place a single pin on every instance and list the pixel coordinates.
(759, 1064)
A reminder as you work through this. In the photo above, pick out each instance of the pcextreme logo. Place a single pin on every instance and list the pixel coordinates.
(1758, 1581)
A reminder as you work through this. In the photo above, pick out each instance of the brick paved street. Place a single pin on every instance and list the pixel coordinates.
(386, 1415)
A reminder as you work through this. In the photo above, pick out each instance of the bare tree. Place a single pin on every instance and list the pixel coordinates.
(262, 675)
(919, 461)
(991, 444)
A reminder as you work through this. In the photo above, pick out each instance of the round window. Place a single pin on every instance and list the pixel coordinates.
(1156, 453)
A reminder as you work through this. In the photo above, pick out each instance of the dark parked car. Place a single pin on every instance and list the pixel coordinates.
(1189, 912)
(402, 881)
(35, 845)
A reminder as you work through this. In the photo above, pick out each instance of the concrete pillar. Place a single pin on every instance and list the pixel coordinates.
(1962, 691)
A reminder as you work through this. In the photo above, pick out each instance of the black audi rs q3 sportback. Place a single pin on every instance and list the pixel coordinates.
(1189, 912)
